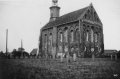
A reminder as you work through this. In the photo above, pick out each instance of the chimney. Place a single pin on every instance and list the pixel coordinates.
(54, 10)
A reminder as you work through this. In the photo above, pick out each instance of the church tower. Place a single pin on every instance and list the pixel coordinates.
(54, 10)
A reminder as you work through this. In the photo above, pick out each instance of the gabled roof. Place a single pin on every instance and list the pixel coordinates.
(70, 17)
(110, 52)
(33, 52)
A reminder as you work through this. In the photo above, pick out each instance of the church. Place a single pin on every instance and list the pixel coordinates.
(79, 32)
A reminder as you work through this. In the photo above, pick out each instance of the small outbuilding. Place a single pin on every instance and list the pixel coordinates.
(111, 53)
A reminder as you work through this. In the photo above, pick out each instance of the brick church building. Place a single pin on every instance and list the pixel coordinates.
(79, 32)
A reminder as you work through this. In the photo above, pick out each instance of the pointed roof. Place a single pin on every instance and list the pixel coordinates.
(67, 18)
(34, 51)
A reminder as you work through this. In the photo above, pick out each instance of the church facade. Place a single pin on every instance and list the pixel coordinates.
(79, 32)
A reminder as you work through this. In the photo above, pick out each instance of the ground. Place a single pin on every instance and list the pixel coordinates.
(83, 68)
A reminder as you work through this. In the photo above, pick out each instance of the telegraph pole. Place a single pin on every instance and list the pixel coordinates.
(21, 44)
(21, 49)
(6, 41)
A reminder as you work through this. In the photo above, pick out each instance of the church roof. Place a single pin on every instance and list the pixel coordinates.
(67, 18)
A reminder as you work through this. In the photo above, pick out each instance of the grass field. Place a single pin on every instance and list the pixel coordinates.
(83, 68)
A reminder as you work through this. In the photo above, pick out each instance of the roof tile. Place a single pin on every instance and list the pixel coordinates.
(73, 16)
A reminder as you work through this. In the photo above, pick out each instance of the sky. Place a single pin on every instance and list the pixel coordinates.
(24, 19)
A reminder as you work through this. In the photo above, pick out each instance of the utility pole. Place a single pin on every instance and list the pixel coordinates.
(6, 41)
(21, 48)
(21, 44)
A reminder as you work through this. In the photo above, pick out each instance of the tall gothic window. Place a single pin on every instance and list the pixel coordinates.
(61, 37)
(96, 37)
(66, 35)
(99, 37)
(87, 36)
(92, 35)
(72, 35)
(50, 40)
(45, 41)
(89, 14)
(60, 40)
(77, 35)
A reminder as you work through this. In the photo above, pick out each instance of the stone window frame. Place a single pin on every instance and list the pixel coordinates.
(92, 34)
(65, 30)
(84, 31)
(60, 41)
(88, 16)
(50, 41)
(45, 41)
(87, 35)
(96, 37)
(60, 34)
(77, 34)
(72, 29)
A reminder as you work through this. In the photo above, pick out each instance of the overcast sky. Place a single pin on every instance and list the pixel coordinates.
(24, 18)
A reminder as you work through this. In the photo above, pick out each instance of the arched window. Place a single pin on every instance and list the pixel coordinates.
(96, 37)
(87, 35)
(61, 37)
(50, 39)
(88, 14)
(77, 35)
(66, 35)
(92, 39)
(45, 41)
(50, 43)
(72, 36)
